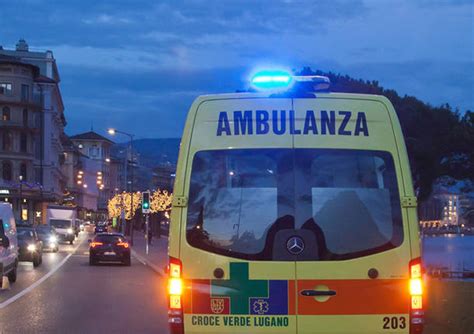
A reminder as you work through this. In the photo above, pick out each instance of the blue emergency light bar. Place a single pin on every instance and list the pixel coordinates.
(271, 80)
(282, 81)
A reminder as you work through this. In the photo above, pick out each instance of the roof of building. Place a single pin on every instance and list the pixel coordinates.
(4, 59)
(37, 58)
(91, 135)
(44, 79)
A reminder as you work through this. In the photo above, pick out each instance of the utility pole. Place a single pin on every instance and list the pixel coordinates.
(131, 184)
(146, 212)
(20, 207)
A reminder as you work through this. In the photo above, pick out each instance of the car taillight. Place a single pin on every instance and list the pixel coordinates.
(123, 244)
(175, 292)
(96, 243)
(416, 294)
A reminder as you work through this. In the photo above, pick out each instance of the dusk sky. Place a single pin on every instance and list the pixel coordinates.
(138, 65)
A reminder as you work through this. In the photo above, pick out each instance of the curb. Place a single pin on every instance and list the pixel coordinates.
(145, 262)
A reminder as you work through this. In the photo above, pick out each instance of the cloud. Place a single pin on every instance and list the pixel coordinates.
(107, 19)
(118, 57)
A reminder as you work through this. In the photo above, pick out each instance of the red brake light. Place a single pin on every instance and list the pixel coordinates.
(175, 293)
(416, 295)
(123, 244)
(96, 243)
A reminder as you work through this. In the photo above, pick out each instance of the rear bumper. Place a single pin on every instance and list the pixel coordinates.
(100, 256)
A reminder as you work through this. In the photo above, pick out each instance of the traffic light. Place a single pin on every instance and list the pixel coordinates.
(146, 202)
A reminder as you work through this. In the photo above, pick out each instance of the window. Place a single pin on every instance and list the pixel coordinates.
(23, 143)
(246, 203)
(7, 141)
(60, 223)
(38, 176)
(23, 171)
(6, 88)
(7, 170)
(25, 117)
(109, 239)
(94, 151)
(25, 92)
(6, 114)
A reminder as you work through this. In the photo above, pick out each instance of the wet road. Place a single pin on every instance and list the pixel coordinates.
(66, 295)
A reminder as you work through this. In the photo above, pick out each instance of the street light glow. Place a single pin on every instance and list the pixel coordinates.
(111, 131)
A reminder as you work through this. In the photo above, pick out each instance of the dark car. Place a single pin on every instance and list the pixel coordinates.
(30, 247)
(100, 228)
(109, 247)
(49, 237)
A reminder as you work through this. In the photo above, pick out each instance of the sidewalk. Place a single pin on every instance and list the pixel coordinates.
(157, 258)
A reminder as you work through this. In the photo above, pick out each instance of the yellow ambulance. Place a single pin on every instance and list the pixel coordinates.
(294, 212)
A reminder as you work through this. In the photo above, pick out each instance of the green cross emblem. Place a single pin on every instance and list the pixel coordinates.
(239, 288)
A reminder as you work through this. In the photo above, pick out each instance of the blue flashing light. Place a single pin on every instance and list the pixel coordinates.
(272, 80)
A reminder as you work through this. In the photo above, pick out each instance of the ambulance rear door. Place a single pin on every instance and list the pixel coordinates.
(237, 272)
(348, 189)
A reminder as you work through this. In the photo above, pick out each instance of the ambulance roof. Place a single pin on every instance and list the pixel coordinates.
(248, 95)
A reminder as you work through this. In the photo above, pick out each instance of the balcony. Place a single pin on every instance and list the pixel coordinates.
(12, 124)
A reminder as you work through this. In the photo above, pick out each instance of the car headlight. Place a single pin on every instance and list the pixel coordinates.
(69, 231)
(31, 248)
(53, 239)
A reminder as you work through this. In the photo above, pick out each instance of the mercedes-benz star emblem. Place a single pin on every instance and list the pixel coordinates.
(295, 245)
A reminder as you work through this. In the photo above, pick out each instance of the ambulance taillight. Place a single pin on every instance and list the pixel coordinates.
(416, 295)
(175, 293)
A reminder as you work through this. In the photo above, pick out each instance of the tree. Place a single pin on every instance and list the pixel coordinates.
(159, 201)
(439, 141)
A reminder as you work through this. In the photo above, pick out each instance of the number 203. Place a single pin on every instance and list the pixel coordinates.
(394, 323)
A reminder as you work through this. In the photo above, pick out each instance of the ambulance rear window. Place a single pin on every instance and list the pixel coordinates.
(246, 203)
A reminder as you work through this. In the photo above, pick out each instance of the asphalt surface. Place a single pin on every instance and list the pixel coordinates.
(66, 295)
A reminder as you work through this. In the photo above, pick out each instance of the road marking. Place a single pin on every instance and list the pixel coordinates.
(160, 271)
(35, 284)
(41, 280)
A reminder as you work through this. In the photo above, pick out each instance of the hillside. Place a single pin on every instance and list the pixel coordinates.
(153, 152)
(440, 141)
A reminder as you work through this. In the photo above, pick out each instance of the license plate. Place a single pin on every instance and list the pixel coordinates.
(109, 253)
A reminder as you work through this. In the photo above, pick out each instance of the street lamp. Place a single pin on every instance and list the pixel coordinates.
(21, 195)
(113, 132)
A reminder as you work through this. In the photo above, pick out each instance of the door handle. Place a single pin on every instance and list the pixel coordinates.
(316, 293)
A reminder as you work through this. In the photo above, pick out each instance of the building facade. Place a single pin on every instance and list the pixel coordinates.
(19, 134)
(32, 129)
(80, 172)
(97, 149)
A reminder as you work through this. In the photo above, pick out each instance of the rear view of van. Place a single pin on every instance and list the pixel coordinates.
(294, 213)
(8, 244)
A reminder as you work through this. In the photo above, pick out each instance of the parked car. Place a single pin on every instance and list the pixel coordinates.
(30, 247)
(8, 244)
(49, 237)
(109, 247)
